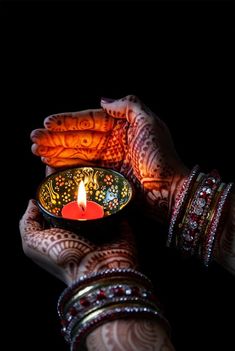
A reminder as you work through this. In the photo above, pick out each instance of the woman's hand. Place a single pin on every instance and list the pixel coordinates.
(124, 135)
(66, 255)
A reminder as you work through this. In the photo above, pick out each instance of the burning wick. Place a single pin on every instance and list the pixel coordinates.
(82, 209)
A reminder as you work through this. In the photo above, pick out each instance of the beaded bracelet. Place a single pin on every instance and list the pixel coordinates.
(106, 295)
(101, 292)
(197, 212)
(86, 281)
(180, 202)
(217, 220)
(103, 296)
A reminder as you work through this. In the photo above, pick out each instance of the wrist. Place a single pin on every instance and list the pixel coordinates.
(120, 253)
(108, 258)
(161, 194)
(130, 334)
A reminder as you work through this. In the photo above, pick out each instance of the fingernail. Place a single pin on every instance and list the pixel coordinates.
(106, 100)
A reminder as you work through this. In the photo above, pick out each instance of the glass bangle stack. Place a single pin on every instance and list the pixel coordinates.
(199, 214)
(104, 296)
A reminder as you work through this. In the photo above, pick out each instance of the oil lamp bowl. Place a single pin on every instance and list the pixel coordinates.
(104, 186)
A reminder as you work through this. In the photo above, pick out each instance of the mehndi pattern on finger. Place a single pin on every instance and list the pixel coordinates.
(96, 120)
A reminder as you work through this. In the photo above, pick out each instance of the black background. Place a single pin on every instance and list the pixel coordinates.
(178, 58)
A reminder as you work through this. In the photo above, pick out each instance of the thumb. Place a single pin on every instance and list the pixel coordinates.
(30, 222)
(128, 107)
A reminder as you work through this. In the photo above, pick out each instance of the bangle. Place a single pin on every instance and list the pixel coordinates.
(196, 213)
(199, 214)
(215, 225)
(86, 281)
(102, 296)
(180, 202)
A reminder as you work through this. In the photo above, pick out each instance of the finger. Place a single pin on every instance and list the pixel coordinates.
(66, 162)
(70, 139)
(128, 107)
(30, 222)
(96, 120)
(61, 152)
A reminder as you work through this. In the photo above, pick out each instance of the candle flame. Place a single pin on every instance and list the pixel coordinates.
(81, 199)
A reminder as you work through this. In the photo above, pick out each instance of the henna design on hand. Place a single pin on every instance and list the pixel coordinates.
(119, 254)
(94, 120)
(61, 152)
(57, 250)
(114, 154)
(70, 139)
(107, 259)
(47, 240)
(150, 158)
(131, 335)
(68, 256)
(125, 136)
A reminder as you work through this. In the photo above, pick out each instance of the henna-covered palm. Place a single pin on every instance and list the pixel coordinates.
(67, 255)
(124, 135)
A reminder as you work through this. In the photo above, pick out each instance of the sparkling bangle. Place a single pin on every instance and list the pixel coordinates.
(198, 209)
(180, 202)
(106, 295)
(88, 280)
(215, 223)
